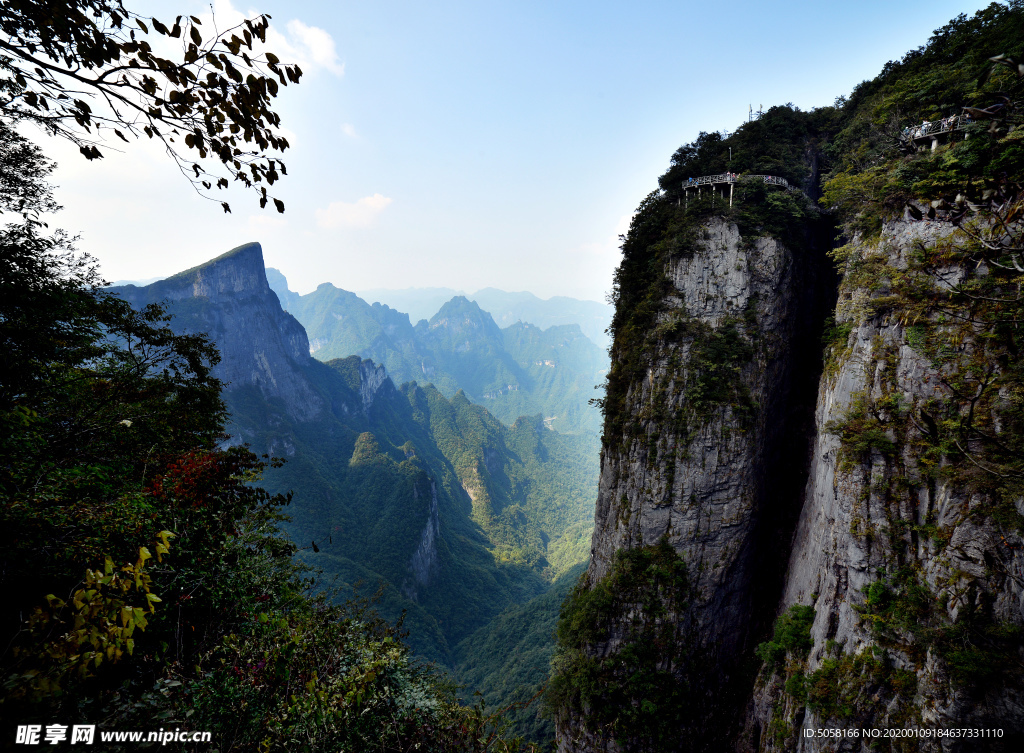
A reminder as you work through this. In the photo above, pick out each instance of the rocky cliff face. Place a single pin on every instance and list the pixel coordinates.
(910, 558)
(874, 515)
(817, 544)
(424, 560)
(229, 299)
(709, 460)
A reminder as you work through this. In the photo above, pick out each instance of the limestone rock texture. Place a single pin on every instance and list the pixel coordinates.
(843, 467)
(229, 299)
(711, 459)
(912, 582)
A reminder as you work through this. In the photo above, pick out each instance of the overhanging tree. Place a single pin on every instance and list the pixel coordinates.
(83, 69)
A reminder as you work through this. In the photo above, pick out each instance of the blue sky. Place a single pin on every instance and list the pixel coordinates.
(488, 143)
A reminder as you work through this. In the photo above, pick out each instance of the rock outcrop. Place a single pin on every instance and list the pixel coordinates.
(423, 564)
(874, 515)
(915, 576)
(229, 299)
(709, 460)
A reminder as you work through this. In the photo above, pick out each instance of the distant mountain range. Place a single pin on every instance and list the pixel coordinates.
(506, 308)
(516, 371)
(456, 514)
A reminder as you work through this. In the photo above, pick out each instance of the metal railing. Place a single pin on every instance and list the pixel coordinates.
(934, 127)
(772, 180)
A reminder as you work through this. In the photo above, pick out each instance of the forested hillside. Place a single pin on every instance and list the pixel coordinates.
(508, 661)
(516, 371)
(455, 513)
(146, 582)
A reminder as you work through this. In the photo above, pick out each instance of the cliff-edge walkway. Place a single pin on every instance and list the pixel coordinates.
(730, 179)
(933, 129)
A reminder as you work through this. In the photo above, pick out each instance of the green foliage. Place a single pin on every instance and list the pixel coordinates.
(300, 674)
(98, 624)
(958, 303)
(529, 485)
(718, 358)
(861, 431)
(773, 144)
(872, 176)
(836, 334)
(215, 98)
(843, 688)
(633, 693)
(509, 660)
(792, 636)
(762, 210)
(835, 340)
(111, 429)
(902, 612)
(898, 603)
(638, 290)
(967, 433)
(367, 481)
(796, 685)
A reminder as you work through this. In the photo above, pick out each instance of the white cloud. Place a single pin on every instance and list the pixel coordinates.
(349, 130)
(315, 44)
(309, 46)
(609, 248)
(360, 214)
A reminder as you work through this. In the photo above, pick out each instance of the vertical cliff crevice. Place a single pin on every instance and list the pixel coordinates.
(869, 596)
(705, 452)
(909, 542)
(424, 562)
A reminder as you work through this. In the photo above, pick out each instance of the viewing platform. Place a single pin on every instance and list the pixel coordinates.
(934, 130)
(719, 182)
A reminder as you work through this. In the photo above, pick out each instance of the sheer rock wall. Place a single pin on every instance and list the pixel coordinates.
(719, 486)
(866, 520)
(829, 492)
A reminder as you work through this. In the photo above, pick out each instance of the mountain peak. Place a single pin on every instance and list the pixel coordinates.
(463, 308)
(238, 272)
(463, 320)
(229, 299)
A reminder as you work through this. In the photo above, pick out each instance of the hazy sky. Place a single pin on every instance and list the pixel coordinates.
(481, 143)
